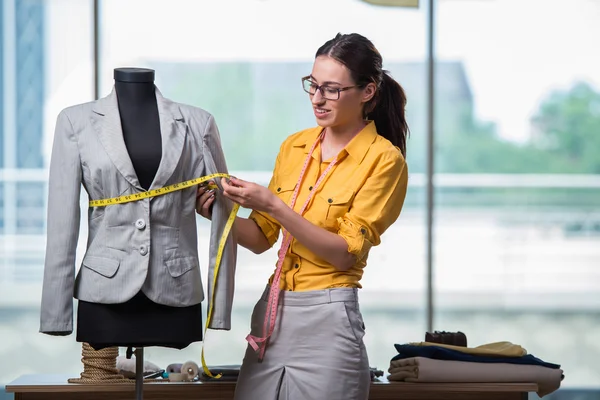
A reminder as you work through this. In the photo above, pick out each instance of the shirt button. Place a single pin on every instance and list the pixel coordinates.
(140, 224)
(279, 189)
(310, 188)
(296, 266)
(363, 231)
(330, 201)
(143, 250)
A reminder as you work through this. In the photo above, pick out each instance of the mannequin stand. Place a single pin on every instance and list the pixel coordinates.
(139, 373)
(139, 370)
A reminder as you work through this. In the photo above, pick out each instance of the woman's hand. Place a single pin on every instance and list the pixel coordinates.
(249, 195)
(204, 200)
(325, 244)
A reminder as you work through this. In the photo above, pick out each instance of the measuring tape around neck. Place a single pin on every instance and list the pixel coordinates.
(228, 225)
(259, 343)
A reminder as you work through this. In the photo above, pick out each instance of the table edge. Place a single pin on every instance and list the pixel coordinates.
(17, 386)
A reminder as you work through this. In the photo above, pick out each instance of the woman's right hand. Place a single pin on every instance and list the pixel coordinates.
(204, 200)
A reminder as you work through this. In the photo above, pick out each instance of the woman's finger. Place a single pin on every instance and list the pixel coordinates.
(232, 190)
(235, 198)
(203, 187)
(207, 204)
(225, 184)
(206, 195)
(201, 202)
(229, 195)
(238, 182)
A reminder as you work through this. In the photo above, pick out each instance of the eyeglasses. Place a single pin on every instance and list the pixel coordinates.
(328, 92)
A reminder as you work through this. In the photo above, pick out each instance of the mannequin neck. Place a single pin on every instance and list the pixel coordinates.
(135, 93)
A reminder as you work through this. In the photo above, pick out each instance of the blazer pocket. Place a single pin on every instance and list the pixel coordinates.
(106, 267)
(181, 265)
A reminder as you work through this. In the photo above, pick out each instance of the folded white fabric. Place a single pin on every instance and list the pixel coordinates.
(421, 369)
(127, 367)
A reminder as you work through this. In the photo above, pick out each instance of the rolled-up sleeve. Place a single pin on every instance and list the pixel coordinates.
(269, 226)
(376, 206)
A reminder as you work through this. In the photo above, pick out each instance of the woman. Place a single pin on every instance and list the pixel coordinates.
(335, 190)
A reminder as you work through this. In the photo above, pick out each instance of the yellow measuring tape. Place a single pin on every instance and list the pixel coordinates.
(173, 188)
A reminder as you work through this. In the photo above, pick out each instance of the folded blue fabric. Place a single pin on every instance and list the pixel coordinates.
(442, 353)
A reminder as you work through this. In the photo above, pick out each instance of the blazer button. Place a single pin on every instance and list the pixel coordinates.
(143, 250)
(140, 224)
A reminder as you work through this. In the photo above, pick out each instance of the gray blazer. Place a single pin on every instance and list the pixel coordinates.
(150, 244)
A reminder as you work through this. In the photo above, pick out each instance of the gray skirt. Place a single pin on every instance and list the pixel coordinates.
(316, 351)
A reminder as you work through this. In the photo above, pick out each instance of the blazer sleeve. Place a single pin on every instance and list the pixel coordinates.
(214, 161)
(64, 187)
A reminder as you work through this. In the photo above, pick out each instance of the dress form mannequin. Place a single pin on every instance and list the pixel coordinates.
(139, 120)
(139, 283)
(139, 322)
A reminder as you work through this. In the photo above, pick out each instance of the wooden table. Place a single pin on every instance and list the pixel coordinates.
(55, 387)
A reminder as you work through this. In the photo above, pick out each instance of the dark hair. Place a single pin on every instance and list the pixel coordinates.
(363, 60)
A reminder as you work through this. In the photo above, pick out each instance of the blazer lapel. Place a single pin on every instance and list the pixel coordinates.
(173, 130)
(106, 120)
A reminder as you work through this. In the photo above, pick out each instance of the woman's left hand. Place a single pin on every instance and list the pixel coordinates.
(249, 195)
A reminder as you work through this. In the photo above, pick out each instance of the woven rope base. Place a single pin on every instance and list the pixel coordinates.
(100, 366)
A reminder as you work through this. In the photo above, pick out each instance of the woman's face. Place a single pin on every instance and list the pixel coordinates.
(331, 111)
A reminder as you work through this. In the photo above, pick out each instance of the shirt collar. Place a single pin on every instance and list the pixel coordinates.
(360, 144)
(306, 140)
(356, 149)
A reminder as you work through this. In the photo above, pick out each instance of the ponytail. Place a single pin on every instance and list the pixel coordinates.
(389, 112)
(365, 63)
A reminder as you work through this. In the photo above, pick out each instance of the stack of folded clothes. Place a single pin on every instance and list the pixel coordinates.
(498, 362)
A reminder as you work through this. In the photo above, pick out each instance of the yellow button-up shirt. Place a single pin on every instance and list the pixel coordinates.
(359, 199)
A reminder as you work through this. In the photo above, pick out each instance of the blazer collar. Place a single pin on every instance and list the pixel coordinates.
(106, 121)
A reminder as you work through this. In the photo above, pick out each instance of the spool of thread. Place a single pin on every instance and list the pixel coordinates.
(176, 377)
(174, 368)
(190, 370)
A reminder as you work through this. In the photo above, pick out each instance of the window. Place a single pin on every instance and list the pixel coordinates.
(516, 236)
(517, 183)
(245, 67)
(45, 65)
